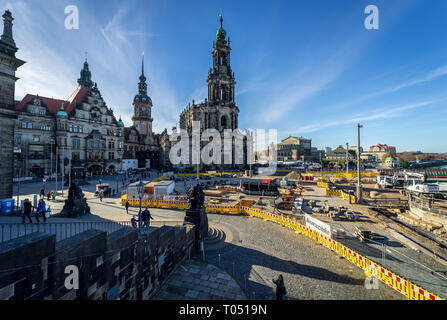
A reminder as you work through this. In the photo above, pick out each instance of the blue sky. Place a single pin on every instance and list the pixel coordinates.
(305, 68)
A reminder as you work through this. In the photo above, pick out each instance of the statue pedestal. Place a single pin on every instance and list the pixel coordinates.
(198, 218)
(76, 204)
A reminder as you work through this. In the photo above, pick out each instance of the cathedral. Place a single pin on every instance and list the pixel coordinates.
(219, 110)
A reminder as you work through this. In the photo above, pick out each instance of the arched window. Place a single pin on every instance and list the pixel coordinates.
(223, 122)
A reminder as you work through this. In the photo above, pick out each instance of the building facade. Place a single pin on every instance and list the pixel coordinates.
(294, 149)
(340, 154)
(73, 136)
(8, 67)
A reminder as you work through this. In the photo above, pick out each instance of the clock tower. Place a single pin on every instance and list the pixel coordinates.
(142, 103)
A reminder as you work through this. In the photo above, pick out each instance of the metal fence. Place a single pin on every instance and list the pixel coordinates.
(64, 230)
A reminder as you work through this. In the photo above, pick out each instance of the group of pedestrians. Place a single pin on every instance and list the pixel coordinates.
(145, 218)
(27, 211)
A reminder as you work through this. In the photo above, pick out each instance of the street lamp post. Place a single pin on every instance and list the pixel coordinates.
(140, 194)
(359, 178)
(347, 158)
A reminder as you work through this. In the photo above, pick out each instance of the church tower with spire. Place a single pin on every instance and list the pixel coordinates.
(220, 80)
(219, 110)
(142, 119)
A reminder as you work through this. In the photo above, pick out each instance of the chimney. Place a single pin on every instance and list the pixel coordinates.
(7, 29)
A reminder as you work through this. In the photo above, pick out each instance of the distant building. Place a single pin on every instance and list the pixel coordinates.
(327, 149)
(379, 151)
(382, 148)
(392, 162)
(294, 149)
(340, 154)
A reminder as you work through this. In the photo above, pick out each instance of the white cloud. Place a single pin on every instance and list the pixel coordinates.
(382, 113)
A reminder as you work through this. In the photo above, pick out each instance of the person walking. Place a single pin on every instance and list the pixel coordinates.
(127, 207)
(48, 195)
(280, 288)
(42, 193)
(27, 207)
(53, 195)
(145, 217)
(101, 193)
(41, 210)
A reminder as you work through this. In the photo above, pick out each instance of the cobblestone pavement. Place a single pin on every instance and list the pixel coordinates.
(260, 251)
(195, 280)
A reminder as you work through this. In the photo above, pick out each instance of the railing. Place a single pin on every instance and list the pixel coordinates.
(64, 230)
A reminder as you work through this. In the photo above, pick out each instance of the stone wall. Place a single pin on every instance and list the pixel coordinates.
(7, 120)
(118, 266)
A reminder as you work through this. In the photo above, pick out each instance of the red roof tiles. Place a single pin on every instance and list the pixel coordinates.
(54, 105)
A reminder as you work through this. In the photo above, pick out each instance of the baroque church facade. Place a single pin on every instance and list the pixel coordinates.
(218, 111)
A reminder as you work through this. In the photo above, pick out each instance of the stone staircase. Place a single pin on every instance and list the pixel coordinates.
(215, 235)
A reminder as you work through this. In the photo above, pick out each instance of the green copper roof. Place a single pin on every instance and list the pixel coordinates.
(120, 122)
(61, 112)
(221, 33)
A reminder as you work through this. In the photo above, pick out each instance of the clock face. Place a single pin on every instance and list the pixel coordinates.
(36, 102)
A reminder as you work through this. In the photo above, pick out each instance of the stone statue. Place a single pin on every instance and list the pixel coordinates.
(195, 213)
(76, 204)
(196, 198)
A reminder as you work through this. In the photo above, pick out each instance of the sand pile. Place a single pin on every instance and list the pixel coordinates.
(293, 176)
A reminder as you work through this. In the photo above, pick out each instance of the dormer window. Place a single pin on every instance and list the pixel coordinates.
(42, 112)
(31, 110)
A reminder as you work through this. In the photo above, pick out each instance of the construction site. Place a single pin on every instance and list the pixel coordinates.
(390, 224)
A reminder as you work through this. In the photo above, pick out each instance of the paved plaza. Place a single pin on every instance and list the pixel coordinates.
(195, 280)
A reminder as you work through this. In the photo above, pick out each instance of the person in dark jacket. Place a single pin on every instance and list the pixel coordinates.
(42, 193)
(145, 217)
(134, 222)
(127, 207)
(280, 288)
(27, 208)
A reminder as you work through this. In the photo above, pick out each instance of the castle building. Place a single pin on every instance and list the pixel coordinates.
(219, 110)
(140, 142)
(8, 67)
(77, 135)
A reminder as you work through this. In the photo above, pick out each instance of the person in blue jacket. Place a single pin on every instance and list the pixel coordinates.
(41, 210)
